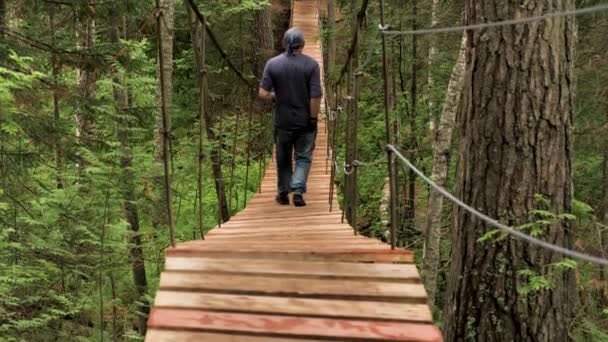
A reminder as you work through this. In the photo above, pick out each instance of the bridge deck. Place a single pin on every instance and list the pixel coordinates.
(281, 273)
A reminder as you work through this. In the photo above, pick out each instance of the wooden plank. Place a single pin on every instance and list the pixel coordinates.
(294, 241)
(388, 256)
(295, 306)
(294, 286)
(289, 235)
(397, 272)
(343, 239)
(156, 335)
(265, 229)
(270, 325)
(352, 242)
(277, 248)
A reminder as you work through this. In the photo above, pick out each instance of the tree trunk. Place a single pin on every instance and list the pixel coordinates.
(216, 161)
(129, 203)
(516, 127)
(2, 26)
(331, 35)
(603, 218)
(413, 141)
(198, 37)
(433, 52)
(441, 164)
(55, 75)
(86, 84)
(160, 216)
(263, 48)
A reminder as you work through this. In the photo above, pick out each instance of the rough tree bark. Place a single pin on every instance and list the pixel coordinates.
(160, 216)
(127, 180)
(441, 162)
(55, 75)
(86, 83)
(220, 189)
(263, 48)
(331, 34)
(2, 17)
(198, 37)
(433, 52)
(603, 218)
(410, 206)
(2, 26)
(516, 127)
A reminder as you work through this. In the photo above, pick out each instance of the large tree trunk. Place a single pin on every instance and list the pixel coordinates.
(196, 30)
(86, 84)
(163, 98)
(198, 37)
(129, 203)
(2, 22)
(2, 28)
(432, 61)
(441, 162)
(331, 35)
(603, 218)
(516, 126)
(410, 207)
(55, 75)
(263, 48)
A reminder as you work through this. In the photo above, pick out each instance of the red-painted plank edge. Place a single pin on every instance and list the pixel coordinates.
(270, 325)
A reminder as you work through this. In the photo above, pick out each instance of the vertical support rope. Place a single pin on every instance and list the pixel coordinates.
(334, 151)
(355, 192)
(389, 154)
(166, 130)
(248, 146)
(347, 198)
(261, 145)
(233, 159)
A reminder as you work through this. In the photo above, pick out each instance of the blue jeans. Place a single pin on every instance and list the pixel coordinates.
(300, 143)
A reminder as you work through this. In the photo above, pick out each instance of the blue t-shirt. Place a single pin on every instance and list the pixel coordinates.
(295, 79)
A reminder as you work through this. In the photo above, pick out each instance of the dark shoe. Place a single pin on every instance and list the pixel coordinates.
(298, 200)
(283, 199)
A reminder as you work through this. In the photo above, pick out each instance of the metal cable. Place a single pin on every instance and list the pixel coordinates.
(495, 223)
(248, 80)
(592, 9)
(348, 169)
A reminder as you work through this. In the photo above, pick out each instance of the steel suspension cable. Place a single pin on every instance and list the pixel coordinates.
(504, 228)
(249, 81)
(587, 10)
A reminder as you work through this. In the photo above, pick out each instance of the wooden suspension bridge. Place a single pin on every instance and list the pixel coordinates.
(280, 273)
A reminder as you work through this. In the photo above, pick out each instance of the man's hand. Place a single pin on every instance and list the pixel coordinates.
(315, 107)
(265, 94)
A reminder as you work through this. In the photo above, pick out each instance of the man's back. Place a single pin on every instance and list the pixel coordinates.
(295, 79)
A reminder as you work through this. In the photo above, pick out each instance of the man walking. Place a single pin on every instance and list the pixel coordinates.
(293, 81)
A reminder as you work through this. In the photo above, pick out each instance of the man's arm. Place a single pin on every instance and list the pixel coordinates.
(315, 107)
(266, 85)
(316, 92)
(265, 94)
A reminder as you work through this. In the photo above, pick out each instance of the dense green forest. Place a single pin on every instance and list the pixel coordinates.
(87, 89)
